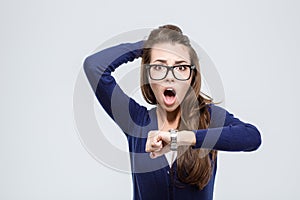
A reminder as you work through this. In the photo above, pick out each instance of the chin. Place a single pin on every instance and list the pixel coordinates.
(171, 108)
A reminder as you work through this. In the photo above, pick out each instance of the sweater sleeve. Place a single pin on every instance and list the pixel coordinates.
(227, 133)
(98, 68)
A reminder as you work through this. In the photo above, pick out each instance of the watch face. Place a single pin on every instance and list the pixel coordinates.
(172, 131)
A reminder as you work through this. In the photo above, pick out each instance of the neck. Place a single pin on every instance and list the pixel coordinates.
(167, 120)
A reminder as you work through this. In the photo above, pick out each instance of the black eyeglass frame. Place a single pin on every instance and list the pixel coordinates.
(148, 66)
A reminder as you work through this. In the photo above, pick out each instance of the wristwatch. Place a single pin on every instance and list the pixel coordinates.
(173, 134)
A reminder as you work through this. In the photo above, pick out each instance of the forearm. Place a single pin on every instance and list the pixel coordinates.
(186, 138)
(243, 137)
(106, 61)
(232, 138)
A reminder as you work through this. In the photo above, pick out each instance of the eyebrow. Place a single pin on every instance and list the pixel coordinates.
(165, 61)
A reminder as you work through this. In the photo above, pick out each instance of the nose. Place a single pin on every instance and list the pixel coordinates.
(170, 76)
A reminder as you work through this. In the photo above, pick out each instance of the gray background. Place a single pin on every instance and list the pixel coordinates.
(254, 45)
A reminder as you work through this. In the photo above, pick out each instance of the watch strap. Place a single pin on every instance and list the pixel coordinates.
(173, 135)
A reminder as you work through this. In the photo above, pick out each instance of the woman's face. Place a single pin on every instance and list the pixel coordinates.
(169, 92)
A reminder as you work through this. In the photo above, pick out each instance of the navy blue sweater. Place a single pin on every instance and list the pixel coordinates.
(154, 178)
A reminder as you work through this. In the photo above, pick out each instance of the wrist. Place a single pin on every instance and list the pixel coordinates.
(186, 138)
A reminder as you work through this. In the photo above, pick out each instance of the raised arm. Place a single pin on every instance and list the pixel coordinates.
(98, 68)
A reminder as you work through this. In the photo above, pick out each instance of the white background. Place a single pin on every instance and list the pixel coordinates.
(254, 44)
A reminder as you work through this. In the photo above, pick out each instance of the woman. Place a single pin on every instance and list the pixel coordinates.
(173, 147)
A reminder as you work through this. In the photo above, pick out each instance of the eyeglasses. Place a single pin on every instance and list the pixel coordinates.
(159, 72)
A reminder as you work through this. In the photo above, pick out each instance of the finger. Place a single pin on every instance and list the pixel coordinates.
(161, 152)
(153, 145)
(156, 147)
(152, 155)
(153, 133)
(150, 141)
(164, 150)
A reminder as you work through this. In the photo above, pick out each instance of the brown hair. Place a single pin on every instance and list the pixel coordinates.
(194, 165)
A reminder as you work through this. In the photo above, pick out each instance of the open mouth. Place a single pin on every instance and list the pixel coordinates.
(169, 92)
(169, 96)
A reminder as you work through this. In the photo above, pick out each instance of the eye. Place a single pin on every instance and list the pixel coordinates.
(157, 67)
(181, 68)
